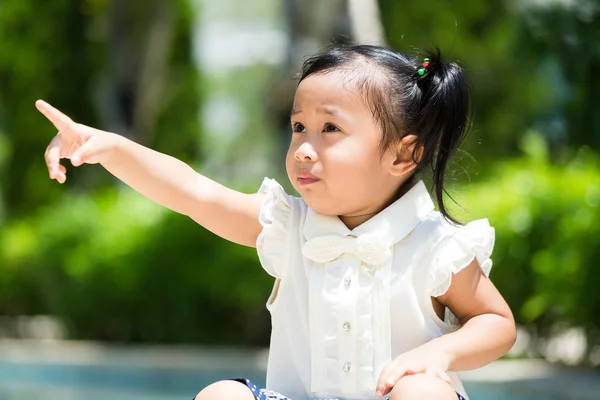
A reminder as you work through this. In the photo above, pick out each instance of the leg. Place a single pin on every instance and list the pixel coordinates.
(422, 387)
(226, 390)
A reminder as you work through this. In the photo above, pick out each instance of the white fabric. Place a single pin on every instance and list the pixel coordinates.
(346, 302)
(455, 252)
(370, 250)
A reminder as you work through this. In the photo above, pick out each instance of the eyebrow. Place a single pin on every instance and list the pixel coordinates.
(320, 109)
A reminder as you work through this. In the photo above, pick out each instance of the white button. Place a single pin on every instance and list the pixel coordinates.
(347, 281)
(347, 367)
(347, 326)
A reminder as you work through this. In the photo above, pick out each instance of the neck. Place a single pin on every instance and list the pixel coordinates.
(352, 221)
(355, 219)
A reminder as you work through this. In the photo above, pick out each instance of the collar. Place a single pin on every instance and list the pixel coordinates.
(391, 224)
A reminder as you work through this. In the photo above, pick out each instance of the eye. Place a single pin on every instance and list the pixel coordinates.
(298, 127)
(331, 128)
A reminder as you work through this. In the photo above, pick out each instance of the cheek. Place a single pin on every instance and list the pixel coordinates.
(355, 161)
(290, 161)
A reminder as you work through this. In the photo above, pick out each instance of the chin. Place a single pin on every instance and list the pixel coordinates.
(322, 207)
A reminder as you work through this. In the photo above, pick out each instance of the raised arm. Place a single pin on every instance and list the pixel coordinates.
(162, 178)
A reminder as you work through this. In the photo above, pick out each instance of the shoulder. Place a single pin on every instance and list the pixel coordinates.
(275, 195)
(280, 207)
(450, 248)
(281, 216)
(435, 229)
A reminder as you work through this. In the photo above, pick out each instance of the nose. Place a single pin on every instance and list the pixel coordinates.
(305, 153)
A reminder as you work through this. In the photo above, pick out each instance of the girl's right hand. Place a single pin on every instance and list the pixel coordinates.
(79, 143)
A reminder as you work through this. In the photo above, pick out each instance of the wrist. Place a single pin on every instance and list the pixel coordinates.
(117, 142)
(441, 347)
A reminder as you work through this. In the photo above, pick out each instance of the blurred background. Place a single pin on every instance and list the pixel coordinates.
(93, 275)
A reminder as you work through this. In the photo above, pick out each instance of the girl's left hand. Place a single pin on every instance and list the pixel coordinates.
(422, 360)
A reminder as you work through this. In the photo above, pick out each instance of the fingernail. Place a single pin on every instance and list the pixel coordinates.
(75, 160)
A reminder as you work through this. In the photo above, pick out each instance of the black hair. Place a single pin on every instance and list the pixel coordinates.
(433, 106)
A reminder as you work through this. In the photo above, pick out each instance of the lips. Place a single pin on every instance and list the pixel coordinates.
(306, 178)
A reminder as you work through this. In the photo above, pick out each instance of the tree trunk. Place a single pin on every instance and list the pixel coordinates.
(365, 21)
(140, 46)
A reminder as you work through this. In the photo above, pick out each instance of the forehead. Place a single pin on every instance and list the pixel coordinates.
(338, 88)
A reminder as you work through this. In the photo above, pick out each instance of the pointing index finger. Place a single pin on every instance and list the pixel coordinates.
(60, 120)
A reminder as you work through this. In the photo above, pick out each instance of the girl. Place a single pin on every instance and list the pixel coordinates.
(376, 294)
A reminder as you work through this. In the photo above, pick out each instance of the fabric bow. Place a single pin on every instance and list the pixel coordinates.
(369, 249)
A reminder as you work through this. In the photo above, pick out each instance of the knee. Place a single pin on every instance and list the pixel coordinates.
(422, 387)
(225, 390)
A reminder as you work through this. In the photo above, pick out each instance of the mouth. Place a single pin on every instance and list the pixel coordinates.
(307, 181)
(305, 178)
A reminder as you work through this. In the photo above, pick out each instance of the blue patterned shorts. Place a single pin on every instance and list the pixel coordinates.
(266, 394)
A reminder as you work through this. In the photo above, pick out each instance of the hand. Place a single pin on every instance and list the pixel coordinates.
(79, 143)
(422, 360)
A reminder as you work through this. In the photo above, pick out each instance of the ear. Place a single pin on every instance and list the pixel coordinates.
(403, 162)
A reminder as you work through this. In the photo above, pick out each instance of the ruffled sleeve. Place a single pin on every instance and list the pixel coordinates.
(456, 250)
(275, 217)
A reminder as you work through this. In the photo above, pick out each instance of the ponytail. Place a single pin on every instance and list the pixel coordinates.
(442, 120)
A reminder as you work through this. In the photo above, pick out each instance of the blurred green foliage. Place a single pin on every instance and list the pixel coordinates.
(547, 235)
(62, 51)
(116, 266)
(44, 54)
(529, 64)
(481, 35)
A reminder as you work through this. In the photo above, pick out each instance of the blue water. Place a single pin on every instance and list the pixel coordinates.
(69, 382)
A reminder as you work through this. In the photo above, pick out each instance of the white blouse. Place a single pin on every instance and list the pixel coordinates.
(347, 302)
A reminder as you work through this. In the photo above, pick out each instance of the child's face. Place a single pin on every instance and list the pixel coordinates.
(334, 160)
